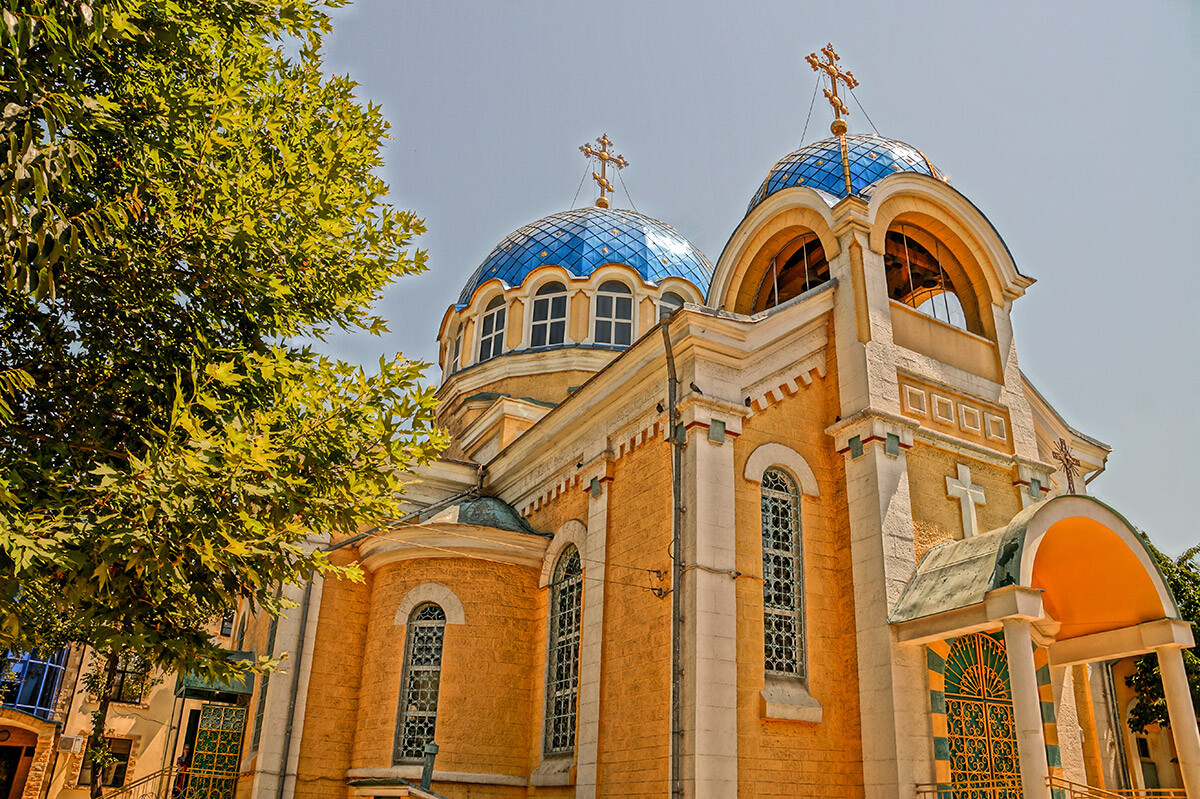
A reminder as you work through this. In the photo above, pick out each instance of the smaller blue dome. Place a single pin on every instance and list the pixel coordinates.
(583, 239)
(819, 166)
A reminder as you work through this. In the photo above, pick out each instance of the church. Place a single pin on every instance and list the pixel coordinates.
(789, 524)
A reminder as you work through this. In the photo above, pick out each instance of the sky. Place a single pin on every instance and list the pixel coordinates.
(1072, 125)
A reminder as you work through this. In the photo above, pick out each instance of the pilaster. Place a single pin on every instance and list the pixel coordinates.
(709, 600)
(897, 751)
(587, 746)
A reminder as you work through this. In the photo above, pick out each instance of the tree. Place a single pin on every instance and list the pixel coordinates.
(188, 198)
(1182, 576)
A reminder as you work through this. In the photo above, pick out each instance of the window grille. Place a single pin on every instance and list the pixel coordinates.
(614, 314)
(549, 315)
(562, 668)
(422, 676)
(491, 338)
(783, 575)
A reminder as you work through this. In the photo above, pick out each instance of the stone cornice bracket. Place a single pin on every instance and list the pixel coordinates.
(851, 214)
(871, 426)
(701, 409)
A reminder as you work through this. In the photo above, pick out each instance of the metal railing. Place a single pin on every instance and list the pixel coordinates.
(1010, 788)
(1066, 789)
(151, 786)
(195, 784)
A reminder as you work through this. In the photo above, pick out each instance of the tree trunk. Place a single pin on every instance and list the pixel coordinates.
(96, 740)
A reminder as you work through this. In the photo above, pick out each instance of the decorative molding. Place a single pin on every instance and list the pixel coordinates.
(414, 773)
(956, 413)
(762, 397)
(448, 540)
(436, 593)
(572, 531)
(767, 455)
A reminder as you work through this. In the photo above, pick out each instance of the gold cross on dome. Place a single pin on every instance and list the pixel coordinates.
(1069, 463)
(601, 177)
(829, 67)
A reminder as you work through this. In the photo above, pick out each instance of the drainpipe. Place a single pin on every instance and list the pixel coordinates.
(306, 603)
(676, 568)
(1110, 688)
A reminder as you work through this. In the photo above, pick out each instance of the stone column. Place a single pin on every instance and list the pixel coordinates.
(594, 554)
(1027, 709)
(1183, 715)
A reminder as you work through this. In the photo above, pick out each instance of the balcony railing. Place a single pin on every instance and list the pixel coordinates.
(29, 682)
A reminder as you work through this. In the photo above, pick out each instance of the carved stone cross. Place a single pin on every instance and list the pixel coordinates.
(969, 495)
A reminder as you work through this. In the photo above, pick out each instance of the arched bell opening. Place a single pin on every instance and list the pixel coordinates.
(798, 266)
(923, 274)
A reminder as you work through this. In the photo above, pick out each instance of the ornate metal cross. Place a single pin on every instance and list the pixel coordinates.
(829, 67)
(1070, 464)
(601, 177)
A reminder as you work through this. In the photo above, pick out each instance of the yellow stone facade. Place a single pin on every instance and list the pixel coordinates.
(921, 509)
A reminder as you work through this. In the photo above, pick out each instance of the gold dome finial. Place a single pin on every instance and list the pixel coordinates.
(838, 127)
(601, 177)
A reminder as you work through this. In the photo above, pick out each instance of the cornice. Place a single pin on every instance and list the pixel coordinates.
(441, 540)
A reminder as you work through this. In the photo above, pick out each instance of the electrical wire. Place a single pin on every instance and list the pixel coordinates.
(816, 85)
(865, 114)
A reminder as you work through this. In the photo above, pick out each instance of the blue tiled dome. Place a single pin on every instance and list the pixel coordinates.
(584, 238)
(819, 166)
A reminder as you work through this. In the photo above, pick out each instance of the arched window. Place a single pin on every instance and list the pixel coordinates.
(669, 303)
(783, 576)
(562, 666)
(614, 314)
(491, 337)
(456, 353)
(419, 686)
(917, 278)
(549, 315)
(799, 265)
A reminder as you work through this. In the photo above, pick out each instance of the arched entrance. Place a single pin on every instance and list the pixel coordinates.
(979, 716)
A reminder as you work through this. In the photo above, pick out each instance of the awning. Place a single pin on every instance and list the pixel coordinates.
(193, 686)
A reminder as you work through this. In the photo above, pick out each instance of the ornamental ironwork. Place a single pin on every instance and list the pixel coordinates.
(783, 576)
(979, 714)
(422, 678)
(562, 667)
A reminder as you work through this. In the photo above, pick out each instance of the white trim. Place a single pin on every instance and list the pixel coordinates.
(437, 593)
(1067, 507)
(571, 532)
(767, 455)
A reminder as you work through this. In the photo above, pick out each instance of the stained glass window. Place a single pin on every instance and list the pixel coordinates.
(562, 668)
(549, 315)
(491, 338)
(783, 576)
(614, 314)
(422, 677)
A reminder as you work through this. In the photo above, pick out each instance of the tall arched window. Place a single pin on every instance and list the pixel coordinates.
(456, 353)
(562, 667)
(549, 315)
(614, 314)
(669, 303)
(419, 685)
(783, 576)
(491, 337)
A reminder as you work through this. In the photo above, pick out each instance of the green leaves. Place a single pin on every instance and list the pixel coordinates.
(183, 192)
(1182, 576)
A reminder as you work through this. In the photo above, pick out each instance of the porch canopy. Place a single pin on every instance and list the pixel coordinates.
(1072, 575)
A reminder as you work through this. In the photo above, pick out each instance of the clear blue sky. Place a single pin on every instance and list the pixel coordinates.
(1072, 125)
